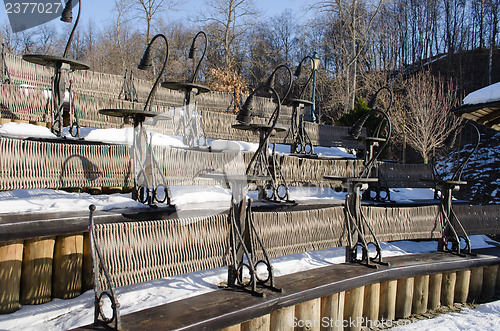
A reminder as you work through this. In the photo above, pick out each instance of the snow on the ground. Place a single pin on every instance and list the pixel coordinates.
(66, 314)
(484, 317)
(125, 136)
(24, 130)
(47, 200)
(489, 93)
(183, 197)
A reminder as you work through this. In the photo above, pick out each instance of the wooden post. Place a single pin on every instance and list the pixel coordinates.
(283, 319)
(353, 308)
(462, 286)
(257, 324)
(371, 306)
(331, 311)
(308, 315)
(448, 288)
(404, 297)
(435, 282)
(11, 259)
(36, 277)
(67, 272)
(87, 271)
(388, 292)
(236, 327)
(420, 295)
(476, 284)
(340, 316)
(489, 281)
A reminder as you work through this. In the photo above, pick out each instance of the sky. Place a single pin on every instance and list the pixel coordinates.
(101, 10)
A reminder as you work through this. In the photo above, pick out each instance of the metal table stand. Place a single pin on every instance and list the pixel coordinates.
(264, 164)
(243, 237)
(61, 84)
(150, 185)
(100, 293)
(301, 142)
(357, 225)
(453, 230)
(192, 129)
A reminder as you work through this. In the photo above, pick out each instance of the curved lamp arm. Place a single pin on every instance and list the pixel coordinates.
(458, 173)
(66, 17)
(272, 124)
(146, 63)
(298, 71)
(369, 164)
(191, 53)
(270, 79)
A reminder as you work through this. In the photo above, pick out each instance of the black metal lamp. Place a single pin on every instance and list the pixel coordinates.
(298, 72)
(192, 50)
(271, 78)
(67, 13)
(67, 16)
(147, 63)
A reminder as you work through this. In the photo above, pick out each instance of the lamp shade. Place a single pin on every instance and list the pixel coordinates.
(146, 61)
(245, 114)
(298, 71)
(67, 13)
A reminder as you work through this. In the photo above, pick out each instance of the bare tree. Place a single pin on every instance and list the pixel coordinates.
(423, 117)
(228, 19)
(352, 22)
(148, 9)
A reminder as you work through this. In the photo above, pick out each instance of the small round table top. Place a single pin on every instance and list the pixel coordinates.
(132, 113)
(185, 86)
(352, 179)
(257, 127)
(234, 178)
(296, 102)
(52, 60)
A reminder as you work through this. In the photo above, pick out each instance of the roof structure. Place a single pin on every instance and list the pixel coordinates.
(482, 106)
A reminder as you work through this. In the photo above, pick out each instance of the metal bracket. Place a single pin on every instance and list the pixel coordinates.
(243, 238)
(62, 84)
(356, 224)
(5, 71)
(150, 182)
(99, 268)
(192, 130)
(453, 230)
(128, 91)
(302, 143)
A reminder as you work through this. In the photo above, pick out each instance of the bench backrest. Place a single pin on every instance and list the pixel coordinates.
(396, 175)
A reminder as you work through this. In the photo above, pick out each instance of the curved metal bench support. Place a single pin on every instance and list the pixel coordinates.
(99, 267)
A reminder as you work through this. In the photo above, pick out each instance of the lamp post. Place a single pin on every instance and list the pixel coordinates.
(314, 66)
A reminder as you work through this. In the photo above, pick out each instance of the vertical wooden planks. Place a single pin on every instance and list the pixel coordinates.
(67, 272)
(353, 308)
(11, 257)
(435, 284)
(462, 286)
(420, 295)
(388, 291)
(36, 277)
(448, 288)
(283, 319)
(404, 297)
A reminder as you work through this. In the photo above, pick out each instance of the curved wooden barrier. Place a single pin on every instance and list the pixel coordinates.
(334, 297)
